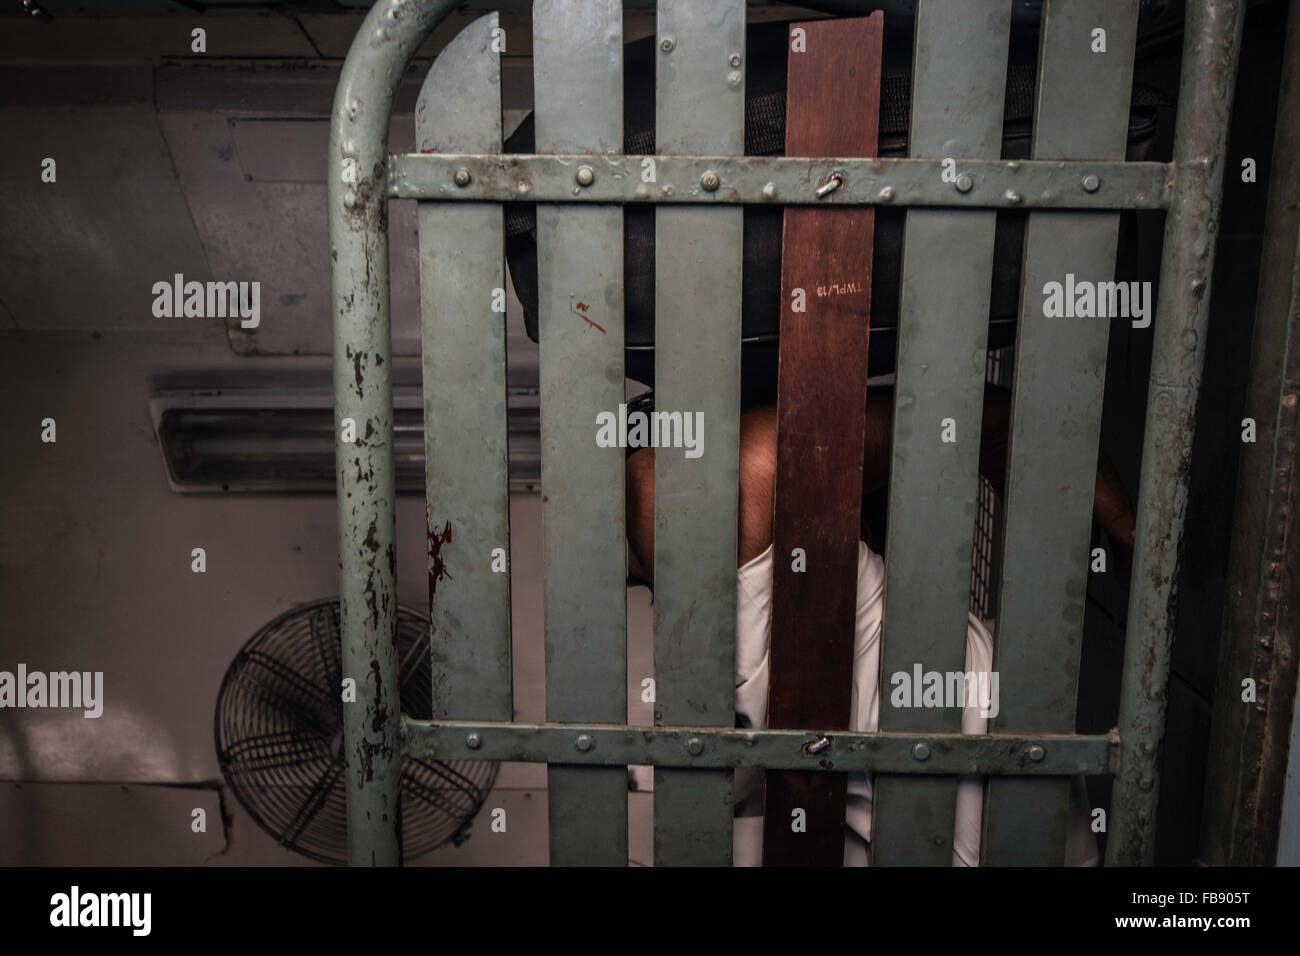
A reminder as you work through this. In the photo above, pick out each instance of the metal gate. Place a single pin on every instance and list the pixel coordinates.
(1073, 187)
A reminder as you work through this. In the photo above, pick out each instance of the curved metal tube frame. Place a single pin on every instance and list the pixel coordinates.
(358, 191)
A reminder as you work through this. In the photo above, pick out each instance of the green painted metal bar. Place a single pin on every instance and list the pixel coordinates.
(463, 342)
(704, 747)
(357, 207)
(1211, 42)
(1254, 753)
(700, 100)
(960, 80)
(788, 180)
(577, 63)
(1059, 373)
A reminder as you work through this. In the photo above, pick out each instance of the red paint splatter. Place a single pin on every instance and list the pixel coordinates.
(580, 311)
(437, 567)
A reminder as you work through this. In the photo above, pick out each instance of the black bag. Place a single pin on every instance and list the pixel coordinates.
(765, 82)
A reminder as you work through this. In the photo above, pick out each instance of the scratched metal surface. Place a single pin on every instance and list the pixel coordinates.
(464, 368)
(1059, 372)
(1211, 44)
(578, 78)
(358, 204)
(699, 109)
(957, 95)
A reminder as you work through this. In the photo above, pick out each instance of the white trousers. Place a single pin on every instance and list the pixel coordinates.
(753, 640)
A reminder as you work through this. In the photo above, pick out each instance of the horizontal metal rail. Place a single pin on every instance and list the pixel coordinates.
(616, 744)
(776, 180)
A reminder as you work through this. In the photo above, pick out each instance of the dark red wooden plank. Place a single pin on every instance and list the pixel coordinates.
(832, 109)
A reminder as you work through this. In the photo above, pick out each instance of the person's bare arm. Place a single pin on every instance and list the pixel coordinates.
(1111, 507)
(757, 484)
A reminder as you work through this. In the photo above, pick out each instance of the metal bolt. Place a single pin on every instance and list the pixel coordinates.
(695, 746)
(769, 191)
(473, 741)
(835, 181)
(583, 743)
(1012, 195)
(1091, 183)
(964, 183)
(585, 176)
(921, 752)
(667, 44)
(886, 194)
(462, 177)
(1037, 753)
(710, 180)
(735, 59)
(817, 746)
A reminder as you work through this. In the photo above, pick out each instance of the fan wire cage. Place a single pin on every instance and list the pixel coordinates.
(279, 738)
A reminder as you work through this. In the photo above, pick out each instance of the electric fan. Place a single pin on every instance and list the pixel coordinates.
(279, 734)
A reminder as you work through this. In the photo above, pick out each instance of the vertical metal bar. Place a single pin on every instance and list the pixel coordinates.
(1247, 820)
(357, 182)
(463, 342)
(700, 101)
(1248, 776)
(578, 69)
(1081, 112)
(1277, 340)
(1211, 42)
(959, 81)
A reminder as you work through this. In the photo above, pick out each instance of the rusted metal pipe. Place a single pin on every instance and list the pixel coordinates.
(1245, 821)
(1211, 41)
(363, 401)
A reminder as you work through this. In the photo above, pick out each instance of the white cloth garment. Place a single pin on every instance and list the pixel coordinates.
(753, 639)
